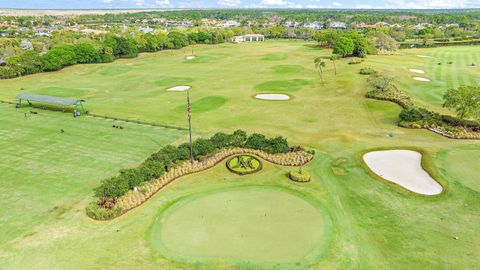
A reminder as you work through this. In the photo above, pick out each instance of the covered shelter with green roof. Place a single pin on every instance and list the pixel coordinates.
(77, 104)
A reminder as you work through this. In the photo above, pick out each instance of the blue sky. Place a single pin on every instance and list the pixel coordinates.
(88, 4)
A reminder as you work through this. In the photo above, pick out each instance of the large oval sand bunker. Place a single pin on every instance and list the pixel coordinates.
(272, 96)
(404, 168)
(259, 225)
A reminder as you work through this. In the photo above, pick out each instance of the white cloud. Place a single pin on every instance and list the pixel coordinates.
(229, 3)
(280, 3)
(163, 3)
(433, 4)
(107, 2)
(337, 4)
(363, 6)
(273, 2)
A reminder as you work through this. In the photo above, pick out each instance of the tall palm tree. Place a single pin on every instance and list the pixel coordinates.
(334, 58)
(319, 65)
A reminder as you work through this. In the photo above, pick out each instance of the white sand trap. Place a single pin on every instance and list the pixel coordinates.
(421, 79)
(272, 96)
(424, 56)
(190, 57)
(179, 88)
(403, 167)
(418, 71)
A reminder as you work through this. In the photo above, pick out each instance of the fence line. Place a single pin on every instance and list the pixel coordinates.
(140, 122)
(135, 121)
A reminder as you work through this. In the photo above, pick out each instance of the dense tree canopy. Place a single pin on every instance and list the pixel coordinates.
(465, 100)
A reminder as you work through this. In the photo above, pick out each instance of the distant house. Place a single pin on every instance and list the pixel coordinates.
(384, 24)
(422, 26)
(365, 26)
(230, 23)
(314, 25)
(146, 30)
(338, 25)
(93, 31)
(452, 25)
(248, 38)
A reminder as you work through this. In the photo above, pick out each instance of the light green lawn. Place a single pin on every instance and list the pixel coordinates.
(374, 225)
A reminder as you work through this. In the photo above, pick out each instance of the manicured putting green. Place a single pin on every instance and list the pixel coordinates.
(205, 104)
(282, 85)
(254, 224)
(288, 69)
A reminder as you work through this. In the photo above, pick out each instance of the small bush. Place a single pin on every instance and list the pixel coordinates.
(297, 176)
(96, 211)
(355, 61)
(367, 71)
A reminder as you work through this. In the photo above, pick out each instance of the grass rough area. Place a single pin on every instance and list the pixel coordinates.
(46, 178)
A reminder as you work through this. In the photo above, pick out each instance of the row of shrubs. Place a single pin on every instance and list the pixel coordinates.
(162, 161)
(421, 117)
(413, 116)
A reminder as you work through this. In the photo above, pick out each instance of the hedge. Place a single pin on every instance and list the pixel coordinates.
(163, 160)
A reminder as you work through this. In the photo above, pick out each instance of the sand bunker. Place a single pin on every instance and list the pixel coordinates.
(179, 88)
(403, 167)
(272, 96)
(419, 71)
(424, 56)
(190, 57)
(421, 79)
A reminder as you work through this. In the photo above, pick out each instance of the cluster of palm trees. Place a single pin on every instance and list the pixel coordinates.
(320, 63)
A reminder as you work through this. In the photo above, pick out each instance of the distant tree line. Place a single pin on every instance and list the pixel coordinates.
(106, 48)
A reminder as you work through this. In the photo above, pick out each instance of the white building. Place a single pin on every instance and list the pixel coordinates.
(145, 30)
(231, 23)
(338, 25)
(248, 38)
(314, 25)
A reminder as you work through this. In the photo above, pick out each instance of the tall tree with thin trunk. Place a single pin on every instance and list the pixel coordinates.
(319, 65)
(334, 58)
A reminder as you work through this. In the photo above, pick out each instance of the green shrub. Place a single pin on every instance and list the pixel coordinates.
(410, 114)
(112, 187)
(96, 211)
(367, 71)
(298, 176)
(355, 61)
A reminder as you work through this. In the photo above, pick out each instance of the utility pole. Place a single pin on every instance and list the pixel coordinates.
(189, 113)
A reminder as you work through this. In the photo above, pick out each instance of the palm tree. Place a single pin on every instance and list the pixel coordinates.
(319, 65)
(334, 58)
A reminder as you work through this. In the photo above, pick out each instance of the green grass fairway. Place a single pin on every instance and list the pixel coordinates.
(47, 177)
(45, 173)
(259, 225)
